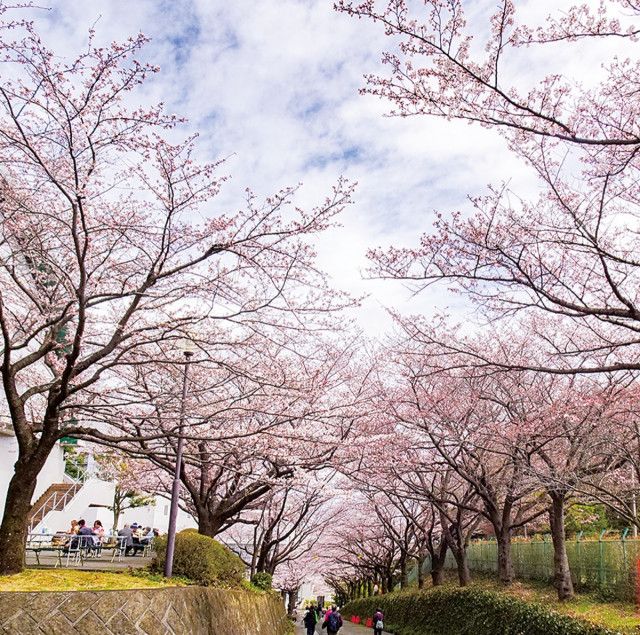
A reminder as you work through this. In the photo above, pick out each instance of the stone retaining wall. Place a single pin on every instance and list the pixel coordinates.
(170, 611)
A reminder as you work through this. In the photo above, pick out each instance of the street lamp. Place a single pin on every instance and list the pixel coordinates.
(187, 347)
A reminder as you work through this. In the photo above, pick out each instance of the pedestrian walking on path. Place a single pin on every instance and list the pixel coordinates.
(310, 620)
(378, 622)
(347, 629)
(332, 621)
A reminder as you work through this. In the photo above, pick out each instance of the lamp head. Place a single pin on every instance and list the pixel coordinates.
(186, 346)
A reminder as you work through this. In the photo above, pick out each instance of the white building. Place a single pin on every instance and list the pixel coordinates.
(59, 498)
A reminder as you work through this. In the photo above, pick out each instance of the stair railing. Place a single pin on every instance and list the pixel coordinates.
(75, 471)
(57, 501)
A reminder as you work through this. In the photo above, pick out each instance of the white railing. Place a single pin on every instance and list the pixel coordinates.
(57, 501)
(80, 470)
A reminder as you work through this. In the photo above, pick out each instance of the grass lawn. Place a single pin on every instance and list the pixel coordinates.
(615, 615)
(74, 580)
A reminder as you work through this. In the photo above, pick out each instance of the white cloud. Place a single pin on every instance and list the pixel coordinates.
(273, 85)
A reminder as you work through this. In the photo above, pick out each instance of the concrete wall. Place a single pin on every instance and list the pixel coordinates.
(177, 611)
(52, 472)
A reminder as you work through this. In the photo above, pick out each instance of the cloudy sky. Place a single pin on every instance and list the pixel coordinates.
(273, 86)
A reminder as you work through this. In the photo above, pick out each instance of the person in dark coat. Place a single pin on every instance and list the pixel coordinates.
(310, 620)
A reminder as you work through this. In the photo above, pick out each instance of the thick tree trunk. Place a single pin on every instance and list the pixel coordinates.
(293, 600)
(14, 527)
(209, 524)
(389, 582)
(505, 562)
(437, 564)
(420, 563)
(404, 575)
(561, 571)
(462, 565)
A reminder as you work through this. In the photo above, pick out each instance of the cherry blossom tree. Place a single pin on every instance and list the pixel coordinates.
(513, 435)
(481, 437)
(103, 264)
(575, 433)
(288, 580)
(258, 418)
(364, 546)
(377, 471)
(286, 527)
(116, 468)
(563, 262)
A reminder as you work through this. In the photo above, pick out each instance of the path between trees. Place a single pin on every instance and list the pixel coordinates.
(347, 629)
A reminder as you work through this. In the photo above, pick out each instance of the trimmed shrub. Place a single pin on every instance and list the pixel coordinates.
(446, 611)
(201, 559)
(262, 580)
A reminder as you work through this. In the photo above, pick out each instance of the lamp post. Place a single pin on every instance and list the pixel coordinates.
(187, 349)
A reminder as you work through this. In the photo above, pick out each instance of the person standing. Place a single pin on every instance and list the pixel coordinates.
(378, 622)
(310, 620)
(332, 621)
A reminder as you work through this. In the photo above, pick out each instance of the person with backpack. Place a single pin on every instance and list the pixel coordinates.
(310, 620)
(378, 622)
(332, 621)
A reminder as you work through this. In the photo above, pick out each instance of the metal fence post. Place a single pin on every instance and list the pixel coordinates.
(601, 558)
(579, 558)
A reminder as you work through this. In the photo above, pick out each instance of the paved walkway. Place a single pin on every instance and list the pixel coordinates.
(49, 561)
(347, 629)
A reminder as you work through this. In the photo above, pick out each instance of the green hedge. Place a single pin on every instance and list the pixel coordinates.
(201, 559)
(447, 611)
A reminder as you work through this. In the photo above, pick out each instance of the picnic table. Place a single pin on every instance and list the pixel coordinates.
(70, 548)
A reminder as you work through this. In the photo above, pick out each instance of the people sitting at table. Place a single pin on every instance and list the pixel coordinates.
(132, 541)
(127, 534)
(74, 528)
(98, 532)
(77, 539)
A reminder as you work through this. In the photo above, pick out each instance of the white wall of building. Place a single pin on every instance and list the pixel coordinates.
(52, 472)
(157, 516)
(91, 502)
(93, 492)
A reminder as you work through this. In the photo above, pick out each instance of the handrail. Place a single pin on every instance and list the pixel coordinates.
(80, 469)
(58, 502)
